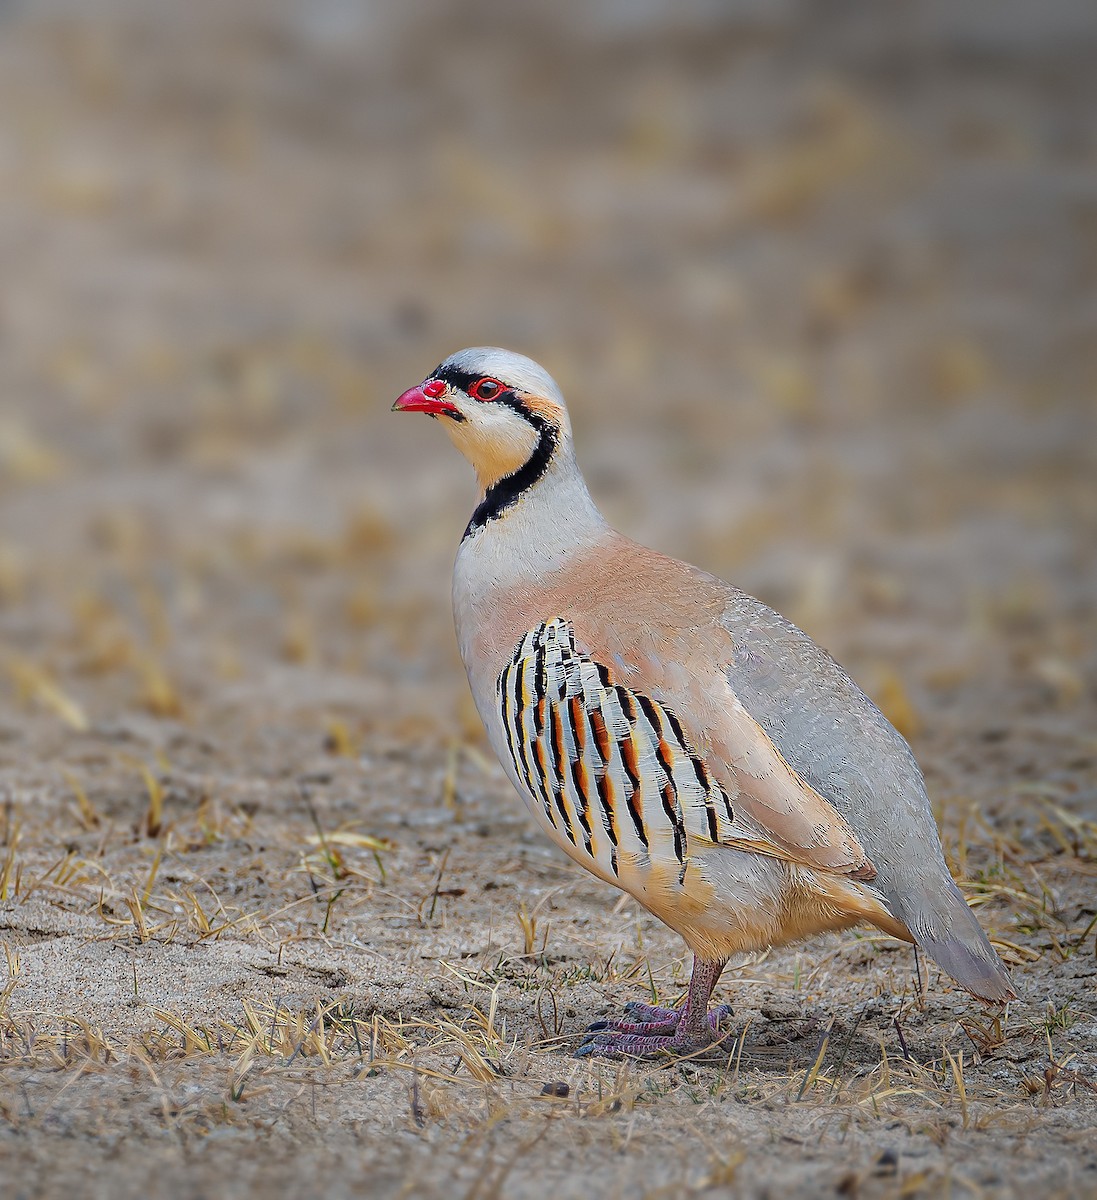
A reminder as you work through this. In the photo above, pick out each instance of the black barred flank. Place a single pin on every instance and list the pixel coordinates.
(514, 725)
(578, 724)
(651, 713)
(603, 784)
(633, 803)
(601, 734)
(666, 757)
(676, 728)
(581, 809)
(713, 824)
(580, 746)
(544, 784)
(674, 811)
(699, 772)
(556, 745)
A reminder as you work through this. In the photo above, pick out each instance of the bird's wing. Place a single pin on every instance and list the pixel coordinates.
(797, 822)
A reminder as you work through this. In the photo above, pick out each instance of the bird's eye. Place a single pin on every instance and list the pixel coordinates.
(485, 389)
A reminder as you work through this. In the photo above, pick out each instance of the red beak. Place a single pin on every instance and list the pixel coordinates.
(416, 400)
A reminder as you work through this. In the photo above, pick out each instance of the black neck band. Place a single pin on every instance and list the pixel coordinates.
(508, 491)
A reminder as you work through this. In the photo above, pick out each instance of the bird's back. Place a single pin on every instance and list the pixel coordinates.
(840, 743)
(835, 738)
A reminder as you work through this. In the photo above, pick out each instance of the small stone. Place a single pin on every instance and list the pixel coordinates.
(556, 1087)
(887, 1163)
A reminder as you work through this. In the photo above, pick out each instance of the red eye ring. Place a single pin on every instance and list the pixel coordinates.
(434, 388)
(486, 389)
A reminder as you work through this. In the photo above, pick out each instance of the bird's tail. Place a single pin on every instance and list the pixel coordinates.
(947, 930)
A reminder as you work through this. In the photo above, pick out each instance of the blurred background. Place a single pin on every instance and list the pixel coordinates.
(818, 277)
(819, 281)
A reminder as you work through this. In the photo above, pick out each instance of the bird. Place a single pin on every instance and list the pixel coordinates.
(673, 735)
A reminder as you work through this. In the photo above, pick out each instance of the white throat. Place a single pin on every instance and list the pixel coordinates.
(547, 524)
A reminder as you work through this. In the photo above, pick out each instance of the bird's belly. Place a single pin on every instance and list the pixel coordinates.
(721, 901)
(742, 905)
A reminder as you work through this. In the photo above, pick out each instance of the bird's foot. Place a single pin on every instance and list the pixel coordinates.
(648, 1032)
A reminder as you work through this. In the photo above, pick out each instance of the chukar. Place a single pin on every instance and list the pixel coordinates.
(671, 734)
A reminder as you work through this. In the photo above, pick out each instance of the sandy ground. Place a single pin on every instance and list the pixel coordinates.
(821, 285)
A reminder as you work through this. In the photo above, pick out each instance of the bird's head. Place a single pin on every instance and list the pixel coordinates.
(501, 410)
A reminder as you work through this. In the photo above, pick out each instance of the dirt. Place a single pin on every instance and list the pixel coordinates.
(820, 283)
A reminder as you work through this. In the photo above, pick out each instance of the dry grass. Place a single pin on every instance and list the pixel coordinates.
(835, 1044)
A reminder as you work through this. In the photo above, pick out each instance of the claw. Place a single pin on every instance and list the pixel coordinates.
(647, 1030)
(651, 1013)
(598, 1046)
(648, 1038)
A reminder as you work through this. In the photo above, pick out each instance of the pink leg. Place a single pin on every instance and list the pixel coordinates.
(652, 1031)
